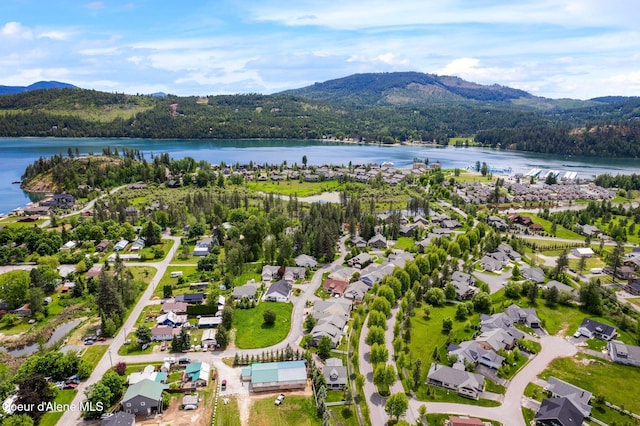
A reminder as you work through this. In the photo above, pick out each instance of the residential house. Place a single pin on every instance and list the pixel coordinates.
(624, 354)
(439, 232)
(378, 272)
(171, 319)
(120, 418)
(534, 274)
(190, 401)
(464, 421)
(203, 246)
(399, 258)
(138, 244)
(498, 223)
(490, 264)
(497, 339)
(450, 224)
(175, 307)
(360, 261)
(590, 328)
(306, 261)
(163, 333)
(582, 252)
(466, 384)
(561, 287)
(120, 245)
(500, 257)
(278, 291)
(149, 372)
(269, 272)
(588, 230)
(293, 273)
(633, 286)
(519, 315)
(334, 287)
(359, 242)
(208, 338)
(209, 322)
(196, 374)
(199, 286)
(558, 412)
(190, 298)
(509, 251)
(335, 374)
(378, 241)
(406, 230)
(23, 311)
(579, 397)
(144, 398)
(625, 272)
(248, 290)
(276, 376)
(472, 352)
(102, 246)
(356, 291)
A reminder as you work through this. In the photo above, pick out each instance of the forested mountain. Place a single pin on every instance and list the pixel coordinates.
(375, 108)
(7, 90)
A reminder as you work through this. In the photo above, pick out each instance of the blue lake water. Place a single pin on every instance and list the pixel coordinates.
(17, 153)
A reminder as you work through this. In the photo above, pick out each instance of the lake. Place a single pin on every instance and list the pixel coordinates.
(17, 153)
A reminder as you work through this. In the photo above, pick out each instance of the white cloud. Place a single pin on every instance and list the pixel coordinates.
(16, 30)
(54, 35)
(100, 51)
(96, 5)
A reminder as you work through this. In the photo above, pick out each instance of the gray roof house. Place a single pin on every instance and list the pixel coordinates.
(455, 378)
(335, 374)
(558, 412)
(561, 287)
(278, 291)
(509, 251)
(623, 353)
(269, 272)
(377, 241)
(248, 290)
(533, 274)
(590, 328)
(528, 317)
(360, 261)
(490, 264)
(498, 339)
(472, 352)
(356, 291)
(143, 398)
(580, 397)
(306, 261)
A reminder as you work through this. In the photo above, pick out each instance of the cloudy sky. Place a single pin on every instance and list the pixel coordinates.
(553, 48)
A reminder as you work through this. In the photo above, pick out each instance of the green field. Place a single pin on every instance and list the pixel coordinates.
(599, 377)
(228, 414)
(295, 410)
(405, 243)
(63, 397)
(251, 331)
(94, 353)
(295, 187)
(344, 415)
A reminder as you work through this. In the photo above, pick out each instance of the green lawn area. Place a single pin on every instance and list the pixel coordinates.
(426, 335)
(436, 394)
(334, 396)
(295, 410)
(599, 377)
(635, 301)
(534, 391)
(249, 271)
(561, 232)
(134, 347)
(251, 331)
(470, 140)
(165, 245)
(191, 259)
(344, 415)
(596, 344)
(94, 353)
(64, 396)
(144, 273)
(190, 274)
(228, 414)
(610, 416)
(139, 367)
(405, 243)
(491, 386)
(295, 187)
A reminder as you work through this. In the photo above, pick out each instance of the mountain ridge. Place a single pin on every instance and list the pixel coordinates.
(11, 90)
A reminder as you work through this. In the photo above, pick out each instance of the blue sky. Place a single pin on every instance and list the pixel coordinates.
(553, 48)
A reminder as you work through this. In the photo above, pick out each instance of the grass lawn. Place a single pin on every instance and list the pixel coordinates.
(190, 274)
(139, 367)
(94, 353)
(295, 187)
(295, 410)
(561, 231)
(251, 331)
(166, 245)
(64, 396)
(491, 386)
(610, 416)
(534, 391)
(529, 416)
(344, 415)
(599, 377)
(596, 344)
(134, 347)
(635, 301)
(143, 273)
(436, 394)
(228, 414)
(249, 271)
(405, 243)
(334, 396)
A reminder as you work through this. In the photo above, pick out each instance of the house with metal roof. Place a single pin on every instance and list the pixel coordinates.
(590, 328)
(276, 376)
(143, 398)
(278, 291)
(196, 374)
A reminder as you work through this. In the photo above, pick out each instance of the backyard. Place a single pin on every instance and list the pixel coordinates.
(252, 332)
(295, 410)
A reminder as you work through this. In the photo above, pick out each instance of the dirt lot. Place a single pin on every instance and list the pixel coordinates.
(173, 416)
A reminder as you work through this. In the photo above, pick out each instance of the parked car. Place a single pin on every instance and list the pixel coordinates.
(89, 342)
(101, 339)
(279, 399)
(577, 334)
(70, 386)
(190, 407)
(184, 361)
(223, 385)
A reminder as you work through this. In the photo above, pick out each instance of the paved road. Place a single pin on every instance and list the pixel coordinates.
(72, 417)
